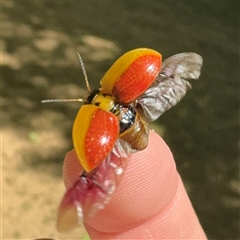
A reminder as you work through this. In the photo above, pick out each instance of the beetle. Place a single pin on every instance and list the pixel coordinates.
(112, 123)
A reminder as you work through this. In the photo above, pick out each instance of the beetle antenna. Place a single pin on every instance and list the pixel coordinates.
(62, 100)
(84, 72)
(75, 99)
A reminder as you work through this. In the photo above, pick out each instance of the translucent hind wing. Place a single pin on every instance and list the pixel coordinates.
(92, 191)
(170, 86)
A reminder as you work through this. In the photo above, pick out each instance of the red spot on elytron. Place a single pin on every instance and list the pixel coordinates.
(137, 78)
(101, 136)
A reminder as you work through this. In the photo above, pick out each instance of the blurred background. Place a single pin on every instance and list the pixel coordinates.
(40, 41)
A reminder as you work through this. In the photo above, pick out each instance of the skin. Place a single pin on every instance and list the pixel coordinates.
(150, 202)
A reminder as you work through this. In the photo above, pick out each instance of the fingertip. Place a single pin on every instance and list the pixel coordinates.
(147, 187)
(151, 201)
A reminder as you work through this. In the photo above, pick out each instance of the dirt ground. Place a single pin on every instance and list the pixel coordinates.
(39, 61)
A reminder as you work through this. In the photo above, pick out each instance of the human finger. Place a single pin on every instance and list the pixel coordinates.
(150, 202)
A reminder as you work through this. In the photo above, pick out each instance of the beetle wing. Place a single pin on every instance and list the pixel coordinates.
(95, 132)
(170, 86)
(92, 191)
(132, 74)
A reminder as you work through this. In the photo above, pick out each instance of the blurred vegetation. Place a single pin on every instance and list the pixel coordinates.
(39, 44)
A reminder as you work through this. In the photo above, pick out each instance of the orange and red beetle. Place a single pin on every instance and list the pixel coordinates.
(137, 89)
